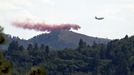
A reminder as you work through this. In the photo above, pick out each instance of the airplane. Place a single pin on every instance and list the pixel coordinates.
(99, 18)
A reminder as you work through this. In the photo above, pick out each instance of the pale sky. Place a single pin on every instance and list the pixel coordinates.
(119, 16)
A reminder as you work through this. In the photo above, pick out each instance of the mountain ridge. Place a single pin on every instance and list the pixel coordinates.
(65, 38)
(58, 39)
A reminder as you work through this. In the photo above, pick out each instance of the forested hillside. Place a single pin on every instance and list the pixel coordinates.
(64, 38)
(115, 58)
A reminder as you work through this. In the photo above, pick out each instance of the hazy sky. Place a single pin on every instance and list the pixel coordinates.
(119, 16)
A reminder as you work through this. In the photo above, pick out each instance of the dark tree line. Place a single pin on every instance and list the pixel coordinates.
(14, 45)
(114, 58)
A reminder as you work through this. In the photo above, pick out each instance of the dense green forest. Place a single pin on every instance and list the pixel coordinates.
(115, 58)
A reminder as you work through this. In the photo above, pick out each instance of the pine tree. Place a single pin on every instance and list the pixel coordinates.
(2, 39)
(13, 46)
(47, 50)
(42, 47)
(5, 66)
(35, 46)
(82, 44)
(30, 47)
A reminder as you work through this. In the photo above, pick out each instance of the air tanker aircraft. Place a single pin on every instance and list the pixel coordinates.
(99, 18)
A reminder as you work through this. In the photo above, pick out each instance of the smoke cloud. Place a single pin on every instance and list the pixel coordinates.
(45, 27)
